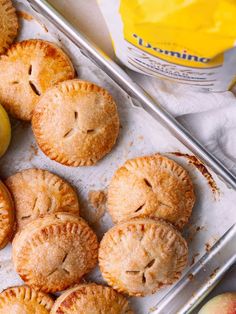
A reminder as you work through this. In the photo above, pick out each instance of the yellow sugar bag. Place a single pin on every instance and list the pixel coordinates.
(188, 41)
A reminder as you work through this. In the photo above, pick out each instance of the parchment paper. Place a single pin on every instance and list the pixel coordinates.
(140, 135)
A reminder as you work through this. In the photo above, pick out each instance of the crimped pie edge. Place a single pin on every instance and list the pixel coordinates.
(26, 293)
(138, 163)
(9, 217)
(110, 239)
(34, 44)
(13, 23)
(50, 152)
(90, 287)
(45, 227)
(47, 177)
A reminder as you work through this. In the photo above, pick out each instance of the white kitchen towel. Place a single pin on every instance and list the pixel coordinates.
(210, 117)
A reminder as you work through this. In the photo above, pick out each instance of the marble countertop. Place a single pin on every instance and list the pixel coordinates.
(86, 15)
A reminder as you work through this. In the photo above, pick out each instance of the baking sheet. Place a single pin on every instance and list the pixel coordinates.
(140, 134)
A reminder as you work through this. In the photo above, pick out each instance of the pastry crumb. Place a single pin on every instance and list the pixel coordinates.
(25, 15)
(193, 258)
(207, 247)
(199, 228)
(153, 309)
(34, 149)
(214, 272)
(98, 201)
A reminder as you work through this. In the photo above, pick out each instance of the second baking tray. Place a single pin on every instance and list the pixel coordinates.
(140, 134)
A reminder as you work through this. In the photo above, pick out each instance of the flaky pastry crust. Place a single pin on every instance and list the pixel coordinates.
(151, 186)
(88, 119)
(37, 192)
(7, 215)
(28, 69)
(54, 252)
(8, 24)
(140, 256)
(91, 299)
(23, 299)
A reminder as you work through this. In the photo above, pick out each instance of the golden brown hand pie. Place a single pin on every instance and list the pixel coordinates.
(7, 216)
(37, 192)
(88, 121)
(54, 252)
(91, 299)
(153, 186)
(28, 69)
(24, 300)
(139, 256)
(8, 24)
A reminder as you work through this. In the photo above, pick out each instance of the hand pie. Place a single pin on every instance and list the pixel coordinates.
(24, 300)
(88, 120)
(28, 69)
(8, 24)
(37, 192)
(7, 216)
(91, 299)
(151, 186)
(141, 255)
(54, 252)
